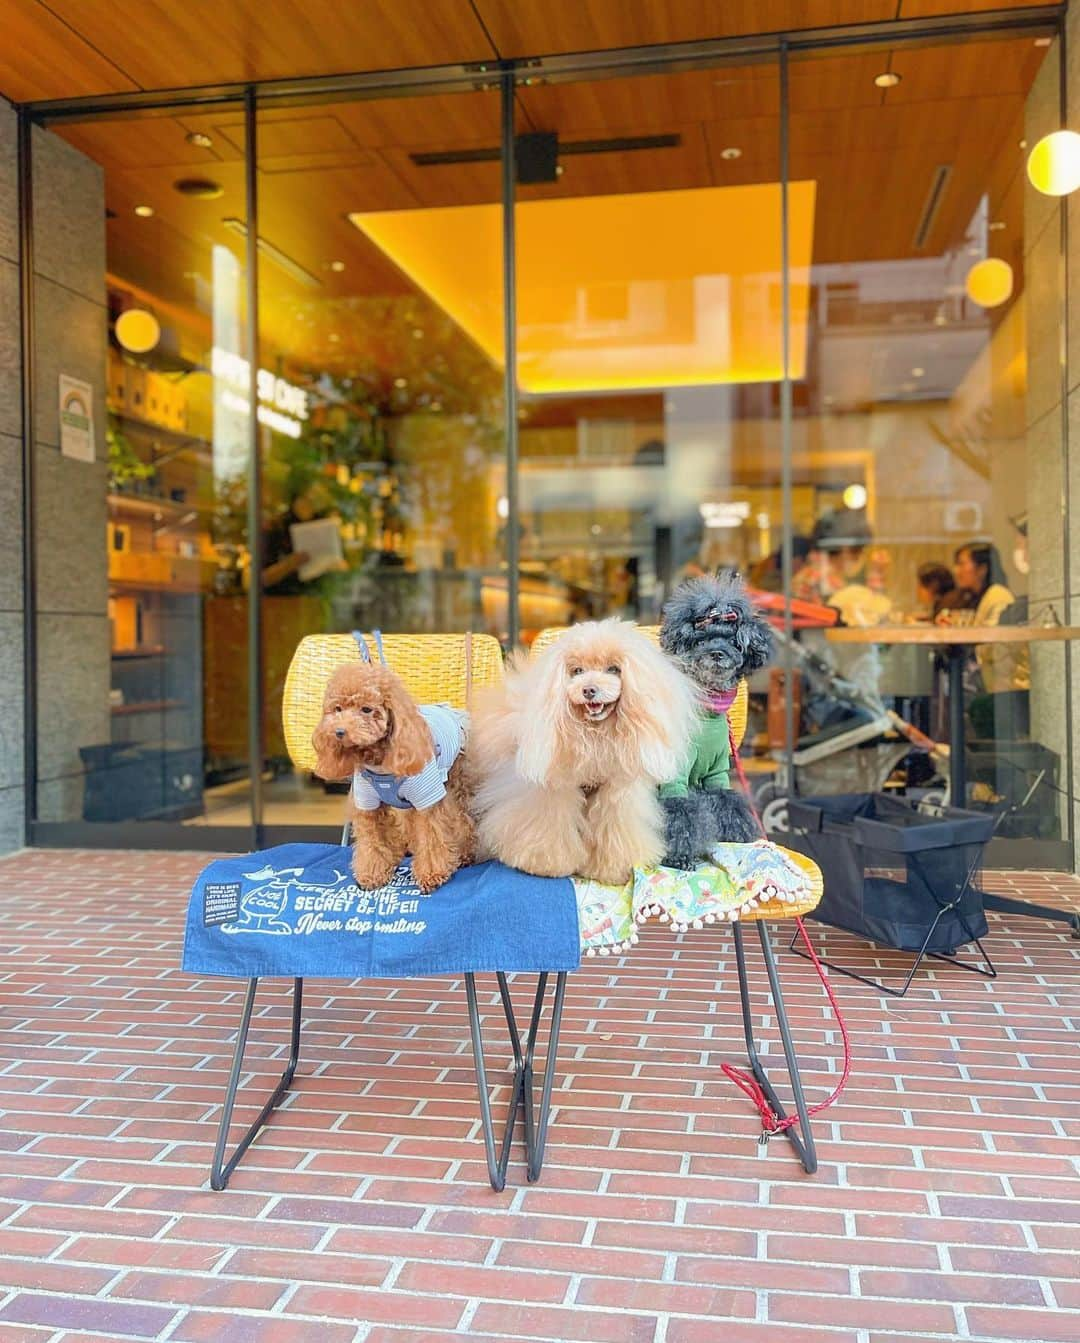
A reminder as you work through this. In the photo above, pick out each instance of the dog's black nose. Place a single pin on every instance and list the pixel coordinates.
(339, 733)
(589, 692)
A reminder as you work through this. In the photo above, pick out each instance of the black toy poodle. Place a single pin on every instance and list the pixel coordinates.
(710, 627)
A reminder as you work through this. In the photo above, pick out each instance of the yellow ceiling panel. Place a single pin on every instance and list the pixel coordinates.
(615, 293)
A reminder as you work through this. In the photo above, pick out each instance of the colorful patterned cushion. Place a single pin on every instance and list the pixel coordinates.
(741, 878)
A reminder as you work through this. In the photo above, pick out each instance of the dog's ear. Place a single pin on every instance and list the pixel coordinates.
(659, 710)
(757, 644)
(542, 711)
(409, 744)
(333, 758)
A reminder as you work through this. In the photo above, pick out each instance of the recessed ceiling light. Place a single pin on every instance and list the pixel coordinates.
(560, 169)
(333, 338)
(1023, 144)
(199, 138)
(401, 383)
(1043, 41)
(144, 211)
(337, 265)
(996, 226)
(887, 80)
(918, 372)
(732, 152)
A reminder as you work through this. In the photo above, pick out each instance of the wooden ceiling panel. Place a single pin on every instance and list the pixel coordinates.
(926, 9)
(758, 139)
(316, 132)
(965, 69)
(869, 205)
(939, 127)
(836, 80)
(151, 142)
(198, 219)
(70, 48)
(433, 121)
(439, 184)
(651, 103)
(589, 25)
(164, 44)
(43, 57)
(977, 68)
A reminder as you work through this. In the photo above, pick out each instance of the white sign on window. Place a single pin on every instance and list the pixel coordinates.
(76, 419)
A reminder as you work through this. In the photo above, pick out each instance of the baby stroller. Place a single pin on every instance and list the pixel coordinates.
(857, 745)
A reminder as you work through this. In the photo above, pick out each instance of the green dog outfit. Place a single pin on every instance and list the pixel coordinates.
(709, 767)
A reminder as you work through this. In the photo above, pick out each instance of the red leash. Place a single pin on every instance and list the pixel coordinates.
(748, 1084)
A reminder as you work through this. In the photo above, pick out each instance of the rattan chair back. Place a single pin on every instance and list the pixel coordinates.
(436, 669)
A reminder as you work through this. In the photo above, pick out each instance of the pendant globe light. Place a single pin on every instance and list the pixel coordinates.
(137, 330)
(1053, 166)
(989, 283)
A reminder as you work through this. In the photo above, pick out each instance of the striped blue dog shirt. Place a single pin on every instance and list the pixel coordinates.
(372, 790)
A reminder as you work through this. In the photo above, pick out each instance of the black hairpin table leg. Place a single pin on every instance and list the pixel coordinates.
(522, 1091)
(221, 1169)
(803, 1140)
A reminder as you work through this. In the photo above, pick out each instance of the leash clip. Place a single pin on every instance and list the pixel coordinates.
(763, 1140)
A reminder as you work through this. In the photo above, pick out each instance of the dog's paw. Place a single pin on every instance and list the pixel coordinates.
(683, 859)
(611, 876)
(371, 875)
(429, 877)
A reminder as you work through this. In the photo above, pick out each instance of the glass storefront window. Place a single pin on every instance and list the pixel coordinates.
(925, 448)
(919, 425)
(384, 506)
(650, 342)
(142, 532)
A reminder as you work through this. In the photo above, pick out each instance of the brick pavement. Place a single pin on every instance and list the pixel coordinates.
(946, 1206)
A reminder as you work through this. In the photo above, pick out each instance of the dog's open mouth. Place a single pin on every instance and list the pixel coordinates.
(597, 711)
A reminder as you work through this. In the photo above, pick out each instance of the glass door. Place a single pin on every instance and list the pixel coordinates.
(382, 432)
(649, 237)
(141, 466)
(927, 446)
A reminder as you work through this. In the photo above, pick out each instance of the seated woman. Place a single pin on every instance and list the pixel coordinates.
(1001, 709)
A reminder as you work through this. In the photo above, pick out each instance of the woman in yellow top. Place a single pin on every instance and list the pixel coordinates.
(977, 569)
(1004, 668)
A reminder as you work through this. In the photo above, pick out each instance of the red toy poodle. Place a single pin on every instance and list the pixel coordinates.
(406, 763)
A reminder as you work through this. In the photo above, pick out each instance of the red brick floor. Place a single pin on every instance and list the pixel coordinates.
(946, 1206)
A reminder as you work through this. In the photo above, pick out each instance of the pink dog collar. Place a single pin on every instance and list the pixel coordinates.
(722, 703)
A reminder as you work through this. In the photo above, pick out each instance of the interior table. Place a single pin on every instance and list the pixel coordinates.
(958, 641)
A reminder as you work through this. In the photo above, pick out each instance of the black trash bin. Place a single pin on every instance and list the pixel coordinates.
(897, 875)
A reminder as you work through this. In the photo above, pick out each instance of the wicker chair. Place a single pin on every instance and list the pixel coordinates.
(436, 668)
(803, 1141)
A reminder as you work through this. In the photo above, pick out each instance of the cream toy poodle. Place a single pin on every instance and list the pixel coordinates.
(566, 757)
